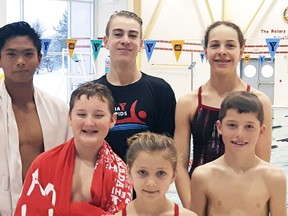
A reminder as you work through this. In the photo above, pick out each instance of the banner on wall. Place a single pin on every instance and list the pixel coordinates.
(262, 59)
(246, 58)
(71, 44)
(202, 56)
(149, 48)
(272, 44)
(96, 46)
(177, 47)
(45, 45)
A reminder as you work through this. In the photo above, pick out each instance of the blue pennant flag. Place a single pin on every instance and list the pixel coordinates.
(149, 47)
(45, 45)
(262, 59)
(272, 44)
(202, 55)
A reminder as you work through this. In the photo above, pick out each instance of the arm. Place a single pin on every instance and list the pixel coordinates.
(198, 202)
(263, 147)
(182, 143)
(277, 187)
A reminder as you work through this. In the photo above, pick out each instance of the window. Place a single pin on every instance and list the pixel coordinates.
(59, 20)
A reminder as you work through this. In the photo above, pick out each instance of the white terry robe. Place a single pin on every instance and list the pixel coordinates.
(53, 115)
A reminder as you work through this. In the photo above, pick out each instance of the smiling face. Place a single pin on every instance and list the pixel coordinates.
(240, 130)
(151, 175)
(19, 59)
(223, 49)
(124, 39)
(91, 120)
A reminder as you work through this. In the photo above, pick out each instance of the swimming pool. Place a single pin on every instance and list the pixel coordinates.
(279, 157)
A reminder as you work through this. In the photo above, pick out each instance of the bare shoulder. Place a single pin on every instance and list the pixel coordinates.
(186, 212)
(187, 103)
(188, 98)
(262, 96)
(205, 171)
(271, 172)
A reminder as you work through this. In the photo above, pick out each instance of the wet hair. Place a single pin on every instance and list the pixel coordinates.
(20, 28)
(226, 23)
(243, 102)
(127, 14)
(151, 142)
(91, 89)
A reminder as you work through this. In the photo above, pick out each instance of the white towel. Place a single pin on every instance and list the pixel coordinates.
(53, 115)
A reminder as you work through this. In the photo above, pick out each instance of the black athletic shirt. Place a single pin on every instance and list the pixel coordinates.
(148, 104)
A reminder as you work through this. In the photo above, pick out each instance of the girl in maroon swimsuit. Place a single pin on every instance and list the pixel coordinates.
(197, 112)
(152, 161)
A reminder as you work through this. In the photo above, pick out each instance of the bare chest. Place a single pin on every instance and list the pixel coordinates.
(30, 136)
(211, 100)
(82, 182)
(239, 196)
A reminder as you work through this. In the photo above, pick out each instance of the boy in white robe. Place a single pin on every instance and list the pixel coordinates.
(31, 121)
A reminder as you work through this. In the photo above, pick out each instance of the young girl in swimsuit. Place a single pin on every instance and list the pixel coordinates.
(152, 160)
(197, 112)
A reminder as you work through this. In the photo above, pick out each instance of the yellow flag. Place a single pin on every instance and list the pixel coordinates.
(246, 58)
(71, 44)
(177, 47)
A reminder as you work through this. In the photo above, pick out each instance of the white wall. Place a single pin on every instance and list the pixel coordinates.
(2, 12)
(2, 22)
(14, 14)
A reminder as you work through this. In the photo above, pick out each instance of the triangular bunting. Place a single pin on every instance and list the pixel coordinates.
(149, 47)
(45, 45)
(96, 46)
(262, 59)
(246, 58)
(272, 44)
(71, 44)
(177, 47)
(202, 56)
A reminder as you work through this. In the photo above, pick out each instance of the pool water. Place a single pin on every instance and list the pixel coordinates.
(279, 157)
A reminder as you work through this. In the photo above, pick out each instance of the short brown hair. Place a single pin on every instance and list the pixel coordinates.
(91, 89)
(243, 102)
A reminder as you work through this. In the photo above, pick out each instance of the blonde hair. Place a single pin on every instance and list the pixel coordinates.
(151, 142)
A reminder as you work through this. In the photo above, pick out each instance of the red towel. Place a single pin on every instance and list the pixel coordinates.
(47, 187)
